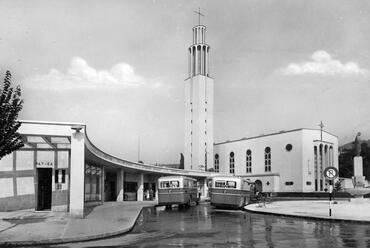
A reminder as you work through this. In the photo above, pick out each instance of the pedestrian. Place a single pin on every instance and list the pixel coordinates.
(147, 194)
(151, 194)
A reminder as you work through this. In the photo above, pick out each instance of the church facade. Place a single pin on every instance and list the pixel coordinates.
(287, 161)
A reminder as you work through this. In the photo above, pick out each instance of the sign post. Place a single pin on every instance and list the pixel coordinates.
(330, 174)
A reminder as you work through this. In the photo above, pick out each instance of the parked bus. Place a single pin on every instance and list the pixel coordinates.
(179, 190)
(229, 191)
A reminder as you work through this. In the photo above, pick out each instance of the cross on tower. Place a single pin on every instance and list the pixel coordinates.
(321, 125)
(199, 14)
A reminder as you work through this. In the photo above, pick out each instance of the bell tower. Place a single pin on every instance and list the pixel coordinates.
(198, 154)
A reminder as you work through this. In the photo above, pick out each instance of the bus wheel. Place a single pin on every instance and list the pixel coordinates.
(192, 203)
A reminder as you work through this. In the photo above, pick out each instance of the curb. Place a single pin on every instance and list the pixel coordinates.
(309, 217)
(73, 239)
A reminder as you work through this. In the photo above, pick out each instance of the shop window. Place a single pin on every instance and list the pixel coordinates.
(60, 176)
(93, 182)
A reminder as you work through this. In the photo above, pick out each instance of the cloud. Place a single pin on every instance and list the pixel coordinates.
(81, 75)
(323, 64)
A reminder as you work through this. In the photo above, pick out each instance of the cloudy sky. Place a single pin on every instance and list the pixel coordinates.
(119, 66)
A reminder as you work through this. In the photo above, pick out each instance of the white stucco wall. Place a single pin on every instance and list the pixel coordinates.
(198, 122)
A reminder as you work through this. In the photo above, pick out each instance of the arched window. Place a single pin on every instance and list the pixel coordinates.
(267, 159)
(232, 163)
(248, 162)
(217, 163)
(316, 168)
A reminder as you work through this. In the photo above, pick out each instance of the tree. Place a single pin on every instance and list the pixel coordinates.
(181, 161)
(10, 105)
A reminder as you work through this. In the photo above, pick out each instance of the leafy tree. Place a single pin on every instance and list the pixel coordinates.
(181, 161)
(10, 105)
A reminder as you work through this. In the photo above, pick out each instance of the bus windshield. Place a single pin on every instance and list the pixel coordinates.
(170, 184)
(225, 184)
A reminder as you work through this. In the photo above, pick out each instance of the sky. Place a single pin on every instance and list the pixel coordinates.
(119, 66)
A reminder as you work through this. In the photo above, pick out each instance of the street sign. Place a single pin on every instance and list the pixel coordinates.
(331, 173)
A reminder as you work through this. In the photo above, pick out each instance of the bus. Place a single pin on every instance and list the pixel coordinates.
(179, 190)
(229, 192)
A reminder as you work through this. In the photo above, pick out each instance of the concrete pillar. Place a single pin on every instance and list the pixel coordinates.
(77, 174)
(120, 178)
(140, 189)
(205, 188)
(156, 189)
(201, 60)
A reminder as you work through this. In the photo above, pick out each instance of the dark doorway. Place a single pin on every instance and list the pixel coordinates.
(130, 189)
(44, 180)
(258, 186)
(110, 186)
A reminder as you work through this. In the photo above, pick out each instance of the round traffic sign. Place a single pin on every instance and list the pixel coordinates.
(331, 173)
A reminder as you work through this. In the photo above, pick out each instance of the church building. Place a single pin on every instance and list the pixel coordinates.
(287, 161)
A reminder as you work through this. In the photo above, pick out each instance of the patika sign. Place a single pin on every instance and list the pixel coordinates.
(44, 164)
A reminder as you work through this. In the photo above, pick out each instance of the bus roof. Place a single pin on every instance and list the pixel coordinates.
(175, 178)
(228, 178)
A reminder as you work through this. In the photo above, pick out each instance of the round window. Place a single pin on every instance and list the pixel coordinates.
(216, 156)
(268, 183)
(267, 149)
(231, 154)
(249, 152)
(289, 147)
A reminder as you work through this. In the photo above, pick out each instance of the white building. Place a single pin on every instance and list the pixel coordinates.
(198, 145)
(288, 161)
(60, 169)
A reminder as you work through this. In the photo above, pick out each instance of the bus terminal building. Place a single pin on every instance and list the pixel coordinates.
(60, 169)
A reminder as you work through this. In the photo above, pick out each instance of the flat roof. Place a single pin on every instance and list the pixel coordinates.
(52, 123)
(271, 134)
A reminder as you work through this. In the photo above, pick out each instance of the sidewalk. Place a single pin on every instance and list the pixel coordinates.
(28, 227)
(342, 211)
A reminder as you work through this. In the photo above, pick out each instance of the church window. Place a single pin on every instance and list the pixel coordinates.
(232, 163)
(267, 159)
(205, 159)
(249, 161)
(217, 163)
(289, 147)
(316, 168)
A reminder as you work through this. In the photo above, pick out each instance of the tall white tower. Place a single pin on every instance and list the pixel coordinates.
(198, 105)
